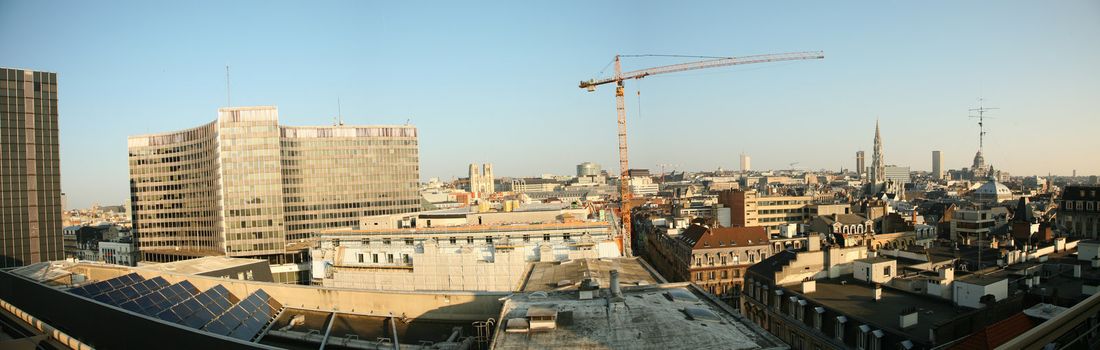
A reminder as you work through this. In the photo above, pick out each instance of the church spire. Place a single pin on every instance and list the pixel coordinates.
(878, 165)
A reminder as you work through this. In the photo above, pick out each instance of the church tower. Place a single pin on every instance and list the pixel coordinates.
(878, 165)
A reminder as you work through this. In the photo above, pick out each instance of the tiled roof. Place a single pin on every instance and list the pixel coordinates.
(996, 334)
(700, 237)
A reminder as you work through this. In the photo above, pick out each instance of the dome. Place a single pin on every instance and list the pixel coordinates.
(993, 188)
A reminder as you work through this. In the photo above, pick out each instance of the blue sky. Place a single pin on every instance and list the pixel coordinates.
(496, 81)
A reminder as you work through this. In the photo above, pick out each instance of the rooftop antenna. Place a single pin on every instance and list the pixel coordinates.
(339, 113)
(227, 103)
(981, 121)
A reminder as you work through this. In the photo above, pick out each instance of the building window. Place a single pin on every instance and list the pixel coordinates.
(526, 238)
(374, 258)
(386, 241)
(712, 275)
(886, 271)
(454, 240)
(565, 236)
(489, 239)
(699, 276)
(408, 241)
(469, 240)
(725, 274)
(366, 241)
(360, 258)
(389, 258)
(546, 237)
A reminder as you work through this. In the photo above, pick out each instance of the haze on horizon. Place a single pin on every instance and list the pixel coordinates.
(497, 82)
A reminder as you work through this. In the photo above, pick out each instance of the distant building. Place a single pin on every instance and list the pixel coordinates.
(245, 186)
(118, 253)
(746, 163)
(30, 193)
(861, 166)
(937, 165)
(482, 182)
(750, 209)
(896, 178)
(1079, 211)
(878, 163)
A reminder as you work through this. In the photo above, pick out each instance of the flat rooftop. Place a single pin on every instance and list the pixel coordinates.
(469, 228)
(202, 265)
(648, 318)
(853, 298)
(548, 276)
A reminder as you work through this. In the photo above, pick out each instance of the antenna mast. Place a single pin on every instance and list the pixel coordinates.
(981, 122)
(339, 113)
(227, 103)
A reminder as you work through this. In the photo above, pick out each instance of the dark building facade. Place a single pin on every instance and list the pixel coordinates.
(1079, 211)
(30, 180)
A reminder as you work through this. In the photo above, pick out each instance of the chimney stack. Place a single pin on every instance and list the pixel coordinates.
(877, 292)
(616, 291)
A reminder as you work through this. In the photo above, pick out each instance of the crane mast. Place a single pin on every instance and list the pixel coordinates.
(625, 193)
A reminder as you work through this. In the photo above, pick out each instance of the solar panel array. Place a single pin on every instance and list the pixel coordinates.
(246, 319)
(215, 310)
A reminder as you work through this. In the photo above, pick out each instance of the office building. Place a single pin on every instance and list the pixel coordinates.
(746, 163)
(245, 186)
(861, 166)
(750, 209)
(897, 175)
(30, 177)
(937, 165)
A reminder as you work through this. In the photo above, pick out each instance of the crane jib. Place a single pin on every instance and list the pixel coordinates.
(712, 63)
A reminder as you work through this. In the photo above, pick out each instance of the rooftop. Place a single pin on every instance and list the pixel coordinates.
(203, 265)
(853, 298)
(668, 316)
(557, 276)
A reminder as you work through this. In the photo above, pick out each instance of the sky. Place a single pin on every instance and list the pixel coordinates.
(496, 82)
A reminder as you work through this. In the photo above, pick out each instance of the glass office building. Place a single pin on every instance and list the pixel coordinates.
(244, 186)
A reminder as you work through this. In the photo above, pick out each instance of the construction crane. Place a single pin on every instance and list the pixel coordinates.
(620, 107)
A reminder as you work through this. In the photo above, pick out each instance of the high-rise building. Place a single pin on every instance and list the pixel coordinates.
(243, 185)
(746, 163)
(937, 165)
(877, 163)
(898, 175)
(861, 165)
(30, 176)
(482, 181)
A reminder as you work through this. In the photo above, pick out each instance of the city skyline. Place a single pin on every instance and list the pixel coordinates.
(919, 72)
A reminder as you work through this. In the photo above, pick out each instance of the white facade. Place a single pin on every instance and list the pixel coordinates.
(875, 270)
(118, 253)
(467, 258)
(969, 294)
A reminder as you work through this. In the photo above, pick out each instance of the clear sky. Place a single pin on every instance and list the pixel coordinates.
(497, 82)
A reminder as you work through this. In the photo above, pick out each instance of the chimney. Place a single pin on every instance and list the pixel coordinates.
(616, 291)
(809, 286)
(1096, 261)
(908, 318)
(877, 292)
(947, 274)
